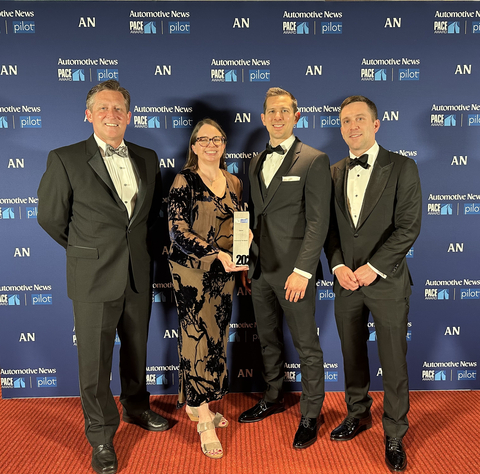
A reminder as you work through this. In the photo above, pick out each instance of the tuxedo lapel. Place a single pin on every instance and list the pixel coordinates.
(376, 185)
(138, 164)
(288, 162)
(340, 189)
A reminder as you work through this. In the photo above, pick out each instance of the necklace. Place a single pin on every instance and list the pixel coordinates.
(210, 180)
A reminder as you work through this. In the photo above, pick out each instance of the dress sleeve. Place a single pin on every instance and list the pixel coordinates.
(182, 213)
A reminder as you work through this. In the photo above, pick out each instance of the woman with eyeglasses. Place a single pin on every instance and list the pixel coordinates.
(202, 200)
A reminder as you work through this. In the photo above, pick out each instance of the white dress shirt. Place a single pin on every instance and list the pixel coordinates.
(122, 174)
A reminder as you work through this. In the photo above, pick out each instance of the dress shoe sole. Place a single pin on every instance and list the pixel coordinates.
(349, 438)
(392, 469)
(127, 419)
(306, 445)
(278, 410)
(103, 471)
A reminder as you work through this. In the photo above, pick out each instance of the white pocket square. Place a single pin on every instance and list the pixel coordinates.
(290, 178)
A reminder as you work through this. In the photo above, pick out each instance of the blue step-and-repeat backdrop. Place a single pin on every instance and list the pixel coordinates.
(183, 61)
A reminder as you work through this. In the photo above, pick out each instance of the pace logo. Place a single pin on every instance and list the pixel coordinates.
(223, 75)
(106, 74)
(292, 376)
(179, 27)
(331, 27)
(7, 213)
(434, 375)
(41, 299)
(143, 28)
(30, 121)
(446, 27)
(437, 294)
(3, 121)
(234, 337)
(259, 75)
(232, 167)
(329, 121)
(437, 209)
(145, 121)
(466, 375)
(19, 382)
(296, 28)
(442, 120)
(302, 122)
(474, 120)
(372, 335)
(23, 26)
(331, 376)
(10, 300)
(472, 208)
(409, 74)
(71, 75)
(46, 382)
(470, 293)
(371, 74)
(157, 379)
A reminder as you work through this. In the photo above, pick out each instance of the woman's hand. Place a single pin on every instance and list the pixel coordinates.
(228, 264)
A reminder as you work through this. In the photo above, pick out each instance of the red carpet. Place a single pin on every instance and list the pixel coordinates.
(45, 436)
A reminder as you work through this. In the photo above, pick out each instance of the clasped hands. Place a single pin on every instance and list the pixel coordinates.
(362, 276)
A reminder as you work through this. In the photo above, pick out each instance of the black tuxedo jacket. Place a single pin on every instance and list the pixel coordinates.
(388, 225)
(290, 224)
(80, 209)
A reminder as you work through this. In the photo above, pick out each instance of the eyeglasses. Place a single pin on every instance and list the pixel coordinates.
(205, 141)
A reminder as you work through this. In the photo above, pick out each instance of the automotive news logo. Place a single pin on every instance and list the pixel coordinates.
(71, 75)
(409, 74)
(466, 375)
(223, 75)
(472, 208)
(9, 300)
(302, 122)
(470, 293)
(30, 121)
(296, 28)
(46, 382)
(434, 375)
(437, 209)
(3, 121)
(146, 121)
(41, 299)
(446, 27)
(371, 74)
(331, 376)
(443, 120)
(437, 293)
(331, 27)
(106, 74)
(7, 213)
(179, 27)
(23, 26)
(259, 75)
(143, 27)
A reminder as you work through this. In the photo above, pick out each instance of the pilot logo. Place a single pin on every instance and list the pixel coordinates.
(30, 121)
(331, 376)
(182, 122)
(409, 74)
(234, 337)
(302, 122)
(259, 75)
(41, 299)
(473, 120)
(19, 383)
(23, 27)
(476, 27)
(372, 335)
(470, 294)
(326, 295)
(329, 121)
(179, 27)
(232, 167)
(106, 74)
(331, 27)
(471, 209)
(46, 382)
(3, 122)
(380, 74)
(466, 375)
(7, 213)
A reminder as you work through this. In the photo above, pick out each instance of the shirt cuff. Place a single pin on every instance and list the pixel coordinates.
(337, 266)
(378, 272)
(302, 273)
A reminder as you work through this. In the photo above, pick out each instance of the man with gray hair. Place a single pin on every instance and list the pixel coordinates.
(97, 199)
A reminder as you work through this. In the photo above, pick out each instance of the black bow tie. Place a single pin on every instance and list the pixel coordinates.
(120, 151)
(361, 161)
(278, 149)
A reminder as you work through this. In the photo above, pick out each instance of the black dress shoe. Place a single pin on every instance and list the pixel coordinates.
(350, 427)
(148, 420)
(306, 434)
(395, 455)
(104, 459)
(261, 411)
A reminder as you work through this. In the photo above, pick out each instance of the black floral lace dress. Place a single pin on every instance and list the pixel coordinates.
(201, 224)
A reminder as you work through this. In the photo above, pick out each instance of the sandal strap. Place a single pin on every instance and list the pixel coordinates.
(217, 419)
(201, 427)
(206, 447)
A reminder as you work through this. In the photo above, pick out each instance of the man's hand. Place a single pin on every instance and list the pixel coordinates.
(365, 275)
(295, 285)
(246, 282)
(346, 278)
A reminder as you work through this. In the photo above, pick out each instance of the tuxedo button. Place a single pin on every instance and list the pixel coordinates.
(355, 235)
